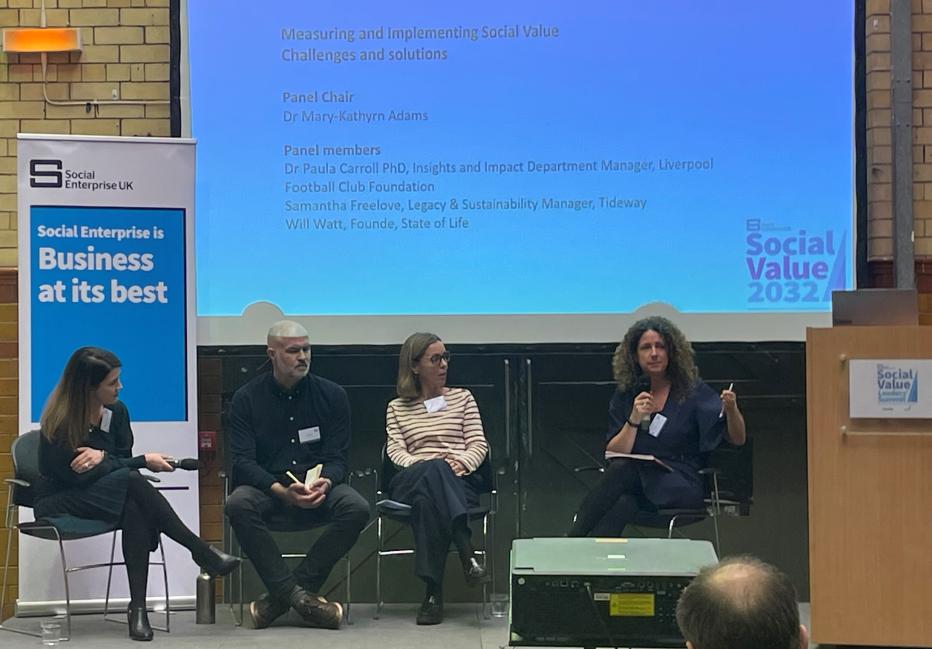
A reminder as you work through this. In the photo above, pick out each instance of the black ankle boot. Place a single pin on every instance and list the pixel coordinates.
(139, 628)
(473, 571)
(216, 563)
(431, 611)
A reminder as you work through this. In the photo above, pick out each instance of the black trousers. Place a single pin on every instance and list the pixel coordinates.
(146, 514)
(254, 515)
(439, 503)
(613, 503)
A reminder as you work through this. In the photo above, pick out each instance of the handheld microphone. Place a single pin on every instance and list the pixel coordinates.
(643, 385)
(186, 464)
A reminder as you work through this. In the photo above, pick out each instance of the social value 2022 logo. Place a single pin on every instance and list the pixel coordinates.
(897, 384)
(794, 268)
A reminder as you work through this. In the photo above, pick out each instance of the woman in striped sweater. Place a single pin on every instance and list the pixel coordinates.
(435, 438)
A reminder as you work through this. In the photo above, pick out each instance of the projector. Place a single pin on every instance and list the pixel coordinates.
(572, 592)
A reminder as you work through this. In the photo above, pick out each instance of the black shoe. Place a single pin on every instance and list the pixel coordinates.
(139, 628)
(316, 610)
(431, 611)
(474, 573)
(218, 564)
(266, 610)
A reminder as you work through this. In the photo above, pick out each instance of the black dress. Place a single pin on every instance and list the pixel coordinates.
(694, 427)
(92, 500)
(689, 430)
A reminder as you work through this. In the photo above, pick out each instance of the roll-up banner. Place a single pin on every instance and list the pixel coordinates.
(106, 240)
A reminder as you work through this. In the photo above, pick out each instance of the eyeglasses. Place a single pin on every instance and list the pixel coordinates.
(436, 358)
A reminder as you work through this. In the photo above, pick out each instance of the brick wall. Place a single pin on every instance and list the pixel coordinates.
(126, 51)
(879, 137)
(8, 402)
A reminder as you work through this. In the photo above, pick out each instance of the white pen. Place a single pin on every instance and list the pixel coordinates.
(730, 386)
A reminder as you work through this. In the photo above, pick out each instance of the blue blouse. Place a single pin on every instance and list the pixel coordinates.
(694, 426)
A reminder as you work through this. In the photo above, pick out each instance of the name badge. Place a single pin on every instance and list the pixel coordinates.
(105, 420)
(307, 435)
(435, 404)
(656, 424)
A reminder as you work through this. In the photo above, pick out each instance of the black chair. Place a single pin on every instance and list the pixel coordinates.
(728, 482)
(387, 509)
(25, 452)
(230, 546)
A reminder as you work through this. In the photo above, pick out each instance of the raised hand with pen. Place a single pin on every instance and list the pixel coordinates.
(663, 421)
(734, 420)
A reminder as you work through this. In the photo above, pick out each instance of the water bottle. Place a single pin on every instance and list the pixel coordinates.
(205, 596)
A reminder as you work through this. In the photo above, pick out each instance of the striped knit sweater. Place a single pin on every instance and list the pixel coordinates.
(456, 431)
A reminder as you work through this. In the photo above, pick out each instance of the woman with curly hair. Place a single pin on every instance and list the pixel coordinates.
(661, 408)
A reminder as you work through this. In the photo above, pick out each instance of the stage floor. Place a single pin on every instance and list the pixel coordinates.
(462, 629)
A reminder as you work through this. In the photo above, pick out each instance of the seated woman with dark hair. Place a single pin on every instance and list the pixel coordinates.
(85, 454)
(660, 408)
(435, 437)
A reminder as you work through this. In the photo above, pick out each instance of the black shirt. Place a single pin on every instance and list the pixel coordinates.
(117, 442)
(267, 424)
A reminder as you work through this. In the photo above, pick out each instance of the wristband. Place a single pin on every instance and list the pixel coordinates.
(633, 424)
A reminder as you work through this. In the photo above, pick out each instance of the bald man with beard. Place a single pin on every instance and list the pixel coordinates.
(286, 422)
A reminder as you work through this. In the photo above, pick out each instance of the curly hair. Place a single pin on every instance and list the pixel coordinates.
(681, 367)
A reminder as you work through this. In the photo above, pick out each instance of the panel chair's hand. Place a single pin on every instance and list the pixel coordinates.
(158, 463)
(86, 459)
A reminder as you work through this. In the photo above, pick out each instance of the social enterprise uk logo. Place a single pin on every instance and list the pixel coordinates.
(793, 268)
(897, 384)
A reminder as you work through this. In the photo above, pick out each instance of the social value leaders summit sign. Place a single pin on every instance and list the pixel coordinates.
(894, 388)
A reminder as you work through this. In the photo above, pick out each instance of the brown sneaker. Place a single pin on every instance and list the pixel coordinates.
(318, 612)
(266, 610)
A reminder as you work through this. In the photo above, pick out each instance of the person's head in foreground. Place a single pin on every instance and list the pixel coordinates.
(741, 603)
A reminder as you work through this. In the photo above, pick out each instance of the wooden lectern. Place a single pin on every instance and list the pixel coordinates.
(870, 498)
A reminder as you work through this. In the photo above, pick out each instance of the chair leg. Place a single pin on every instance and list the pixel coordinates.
(671, 526)
(228, 586)
(349, 592)
(168, 607)
(109, 576)
(490, 549)
(6, 566)
(718, 549)
(486, 612)
(716, 509)
(378, 568)
(64, 572)
(107, 618)
(3, 625)
(242, 604)
(6, 569)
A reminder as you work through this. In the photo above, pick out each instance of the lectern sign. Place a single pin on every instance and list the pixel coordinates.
(895, 388)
